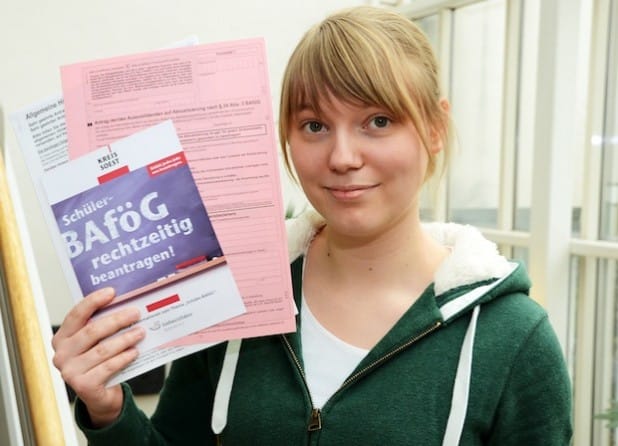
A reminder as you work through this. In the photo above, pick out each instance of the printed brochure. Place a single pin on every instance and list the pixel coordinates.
(130, 216)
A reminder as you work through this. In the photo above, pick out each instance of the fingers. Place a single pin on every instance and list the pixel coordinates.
(91, 334)
(82, 343)
(95, 366)
(89, 351)
(83, 311)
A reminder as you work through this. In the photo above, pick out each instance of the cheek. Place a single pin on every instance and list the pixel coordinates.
(410, 161)
(303, 160)
(297, 161)
(407, 172)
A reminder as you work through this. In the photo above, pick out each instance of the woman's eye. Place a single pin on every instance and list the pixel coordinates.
(314, 127)
(380, 121)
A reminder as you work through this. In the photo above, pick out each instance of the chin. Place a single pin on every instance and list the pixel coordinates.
(354, 227)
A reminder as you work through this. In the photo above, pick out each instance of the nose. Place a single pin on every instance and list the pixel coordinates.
(345, 152)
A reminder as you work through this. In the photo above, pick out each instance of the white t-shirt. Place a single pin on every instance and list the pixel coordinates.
(328, 360)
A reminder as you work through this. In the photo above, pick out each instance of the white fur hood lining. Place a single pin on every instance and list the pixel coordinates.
(473, 258)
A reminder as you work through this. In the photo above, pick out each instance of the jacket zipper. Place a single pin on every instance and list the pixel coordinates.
(387, 356)
(315, 423)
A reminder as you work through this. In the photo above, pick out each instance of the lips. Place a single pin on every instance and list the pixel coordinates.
(348, 192)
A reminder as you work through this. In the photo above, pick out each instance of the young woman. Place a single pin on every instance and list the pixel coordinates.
(408, 333)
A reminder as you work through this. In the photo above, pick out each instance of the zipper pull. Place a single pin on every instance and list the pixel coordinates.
(315, 424)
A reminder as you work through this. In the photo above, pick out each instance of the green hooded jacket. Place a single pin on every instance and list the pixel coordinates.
(504, 384)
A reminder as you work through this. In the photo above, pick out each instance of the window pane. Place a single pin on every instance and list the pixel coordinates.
(521, 254)
(606, 349)
(476, 97)
(573, 298)
(431, 26)
(609, 139)
(576, 336)
(525, 116)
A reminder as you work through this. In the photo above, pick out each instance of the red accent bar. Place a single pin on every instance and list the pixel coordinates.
(190, 262)
(163, 303)
(113, 174)
(168, 163)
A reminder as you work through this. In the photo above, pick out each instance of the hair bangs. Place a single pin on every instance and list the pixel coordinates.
(336, 63)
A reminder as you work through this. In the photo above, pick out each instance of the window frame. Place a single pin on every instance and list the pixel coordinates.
(570, 98)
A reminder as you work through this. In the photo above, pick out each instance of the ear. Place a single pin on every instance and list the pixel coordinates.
(439, 130)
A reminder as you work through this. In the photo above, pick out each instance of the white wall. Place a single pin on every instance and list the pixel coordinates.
(38, 36)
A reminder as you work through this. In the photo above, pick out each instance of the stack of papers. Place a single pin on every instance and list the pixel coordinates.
(158, 175)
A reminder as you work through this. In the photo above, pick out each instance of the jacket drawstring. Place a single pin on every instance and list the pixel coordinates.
(461, 389)
(224, 387)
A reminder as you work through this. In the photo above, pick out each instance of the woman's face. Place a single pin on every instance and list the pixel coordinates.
(361, 169)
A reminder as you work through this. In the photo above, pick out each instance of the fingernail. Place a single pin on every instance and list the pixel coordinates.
(135, 313)
(140, 332)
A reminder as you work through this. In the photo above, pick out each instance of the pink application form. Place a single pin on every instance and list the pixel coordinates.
(218, 98)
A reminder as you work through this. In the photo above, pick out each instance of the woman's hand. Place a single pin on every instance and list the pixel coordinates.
(87, 357)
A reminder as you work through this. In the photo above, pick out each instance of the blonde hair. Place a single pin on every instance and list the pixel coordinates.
(371, 56)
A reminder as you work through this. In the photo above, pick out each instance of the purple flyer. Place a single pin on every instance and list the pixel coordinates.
(137, 228)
